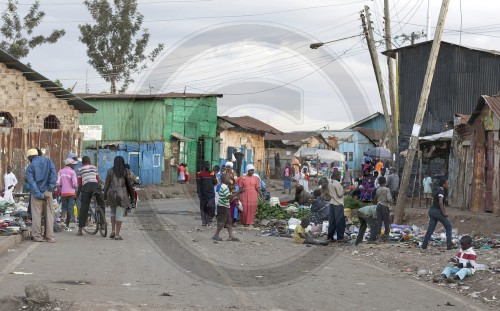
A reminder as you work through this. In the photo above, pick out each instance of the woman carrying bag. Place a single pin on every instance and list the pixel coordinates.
(118, 193)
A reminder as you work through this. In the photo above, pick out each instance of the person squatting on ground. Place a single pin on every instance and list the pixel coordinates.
(42, 177)
(367, 216)
(224, 219)
(464, 262)
(10, 181)
(249, 193)
(205, 182)
(301, 236)
(68, 184)
(118, 194)
(383, 198)
(88, 183)
(437, 212)
(336, 219)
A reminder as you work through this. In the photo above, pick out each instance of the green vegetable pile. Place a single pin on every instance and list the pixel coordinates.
(266, 211)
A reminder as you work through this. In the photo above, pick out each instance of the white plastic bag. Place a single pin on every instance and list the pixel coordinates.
(240, 206)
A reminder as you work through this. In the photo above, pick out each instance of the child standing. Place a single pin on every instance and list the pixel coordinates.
(383, 197)
(465, 262)
(182, 173)
(224, 218)
(427, 183)
(302, 237)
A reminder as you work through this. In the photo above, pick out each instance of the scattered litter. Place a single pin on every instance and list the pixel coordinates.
(21, 273)
(259, 276)
(11, 250)
(449, 304)
(126, 284)
(166, 294)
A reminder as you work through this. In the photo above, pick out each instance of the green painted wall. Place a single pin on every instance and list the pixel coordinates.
(155, 120)
(127, 120)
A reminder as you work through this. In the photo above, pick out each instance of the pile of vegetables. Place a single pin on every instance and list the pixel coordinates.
(266, 211)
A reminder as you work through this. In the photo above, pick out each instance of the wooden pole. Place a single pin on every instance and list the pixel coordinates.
(368, 31)
(422, 106)
(392, 89)
(420, 178)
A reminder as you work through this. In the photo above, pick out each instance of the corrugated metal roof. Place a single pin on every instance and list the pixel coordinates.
(250, 124)
(492, 101)
(393, 52)
(370, 117)
(49, 85)
(373, 135)
(146, 96)
(292, 136)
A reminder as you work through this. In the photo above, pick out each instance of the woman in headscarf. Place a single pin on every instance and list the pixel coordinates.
(249, 191)
(287, 178)
(366, 192)
(118, 193)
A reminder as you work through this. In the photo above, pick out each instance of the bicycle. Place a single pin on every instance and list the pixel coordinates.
(96, 220)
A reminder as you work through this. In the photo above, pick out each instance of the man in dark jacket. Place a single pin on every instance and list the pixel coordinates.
(205, 182)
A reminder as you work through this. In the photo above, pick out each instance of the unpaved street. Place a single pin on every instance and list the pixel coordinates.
(167, 261)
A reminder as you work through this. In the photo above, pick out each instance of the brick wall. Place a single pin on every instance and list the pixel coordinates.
(29, 103)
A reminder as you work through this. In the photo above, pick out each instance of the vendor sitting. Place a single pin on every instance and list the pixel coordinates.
(302, 237)
(301, 196)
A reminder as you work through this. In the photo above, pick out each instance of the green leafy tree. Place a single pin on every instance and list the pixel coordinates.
(116, 43)
(18, 38)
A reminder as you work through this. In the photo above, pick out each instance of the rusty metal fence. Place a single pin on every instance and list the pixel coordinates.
(55, 144)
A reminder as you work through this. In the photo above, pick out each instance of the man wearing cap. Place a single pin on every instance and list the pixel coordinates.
(205, 183)
(42, 178)
(68, 183)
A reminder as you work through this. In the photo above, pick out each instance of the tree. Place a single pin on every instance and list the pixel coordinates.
(116, 43)
(18, 38)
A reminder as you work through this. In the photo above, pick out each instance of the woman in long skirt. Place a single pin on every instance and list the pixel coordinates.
(249, 191)
(287, 178)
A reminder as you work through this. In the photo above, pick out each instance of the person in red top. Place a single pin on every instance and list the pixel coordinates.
(88, 183)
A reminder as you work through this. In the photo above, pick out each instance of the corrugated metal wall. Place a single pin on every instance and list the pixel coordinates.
(377, 123)
(461, 77)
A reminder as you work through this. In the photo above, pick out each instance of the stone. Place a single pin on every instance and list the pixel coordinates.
(11, 303)
(38, 293)
(265, 222)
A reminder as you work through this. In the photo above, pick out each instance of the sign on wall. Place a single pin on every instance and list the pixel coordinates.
(91, 132)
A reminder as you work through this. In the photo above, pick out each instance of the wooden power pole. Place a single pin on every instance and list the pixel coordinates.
(368, 31)
(422, 106)
(392, 88)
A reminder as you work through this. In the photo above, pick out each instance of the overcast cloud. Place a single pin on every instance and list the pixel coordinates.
(261, 61)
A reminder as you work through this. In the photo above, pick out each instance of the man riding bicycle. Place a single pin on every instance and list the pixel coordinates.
(88, 184)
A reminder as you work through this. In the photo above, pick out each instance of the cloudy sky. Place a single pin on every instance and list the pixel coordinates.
(257, 52)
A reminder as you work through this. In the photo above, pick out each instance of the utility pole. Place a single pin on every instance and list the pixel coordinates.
(422, 106)
(368, 31)
(392, 88)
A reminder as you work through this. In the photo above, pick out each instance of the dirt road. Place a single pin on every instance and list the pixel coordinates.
(168, 261)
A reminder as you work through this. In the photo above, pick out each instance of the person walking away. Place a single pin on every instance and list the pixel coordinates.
(393, 182)
(118, 194)
(379, 166)
(427, 183)
(42, 178)
(287, 178)
(205, 182)
(367, 217)
(10, 182)
(277, 166)
(249, 186)
(437, 212)
(464, 262)
(224, 219)
(347, 178)
(383, 198)
(336, 221)
(76, 167)
(88, 183)
(67, 182)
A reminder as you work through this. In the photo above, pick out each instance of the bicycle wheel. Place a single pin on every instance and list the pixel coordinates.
(91, 226)
(101, 222)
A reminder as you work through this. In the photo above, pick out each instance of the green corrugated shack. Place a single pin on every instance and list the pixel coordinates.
(185, 123)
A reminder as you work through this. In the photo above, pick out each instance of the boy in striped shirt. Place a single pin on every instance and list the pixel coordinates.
(223, 215)
(464, 262)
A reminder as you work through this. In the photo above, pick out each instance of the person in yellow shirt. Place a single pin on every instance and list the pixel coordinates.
(302, 237)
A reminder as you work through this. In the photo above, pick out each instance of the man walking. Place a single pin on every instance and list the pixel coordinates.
(10, 181)
(42, 177)
(205, 182)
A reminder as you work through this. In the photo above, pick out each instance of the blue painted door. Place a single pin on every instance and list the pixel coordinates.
(133, 161)
(147, 167)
